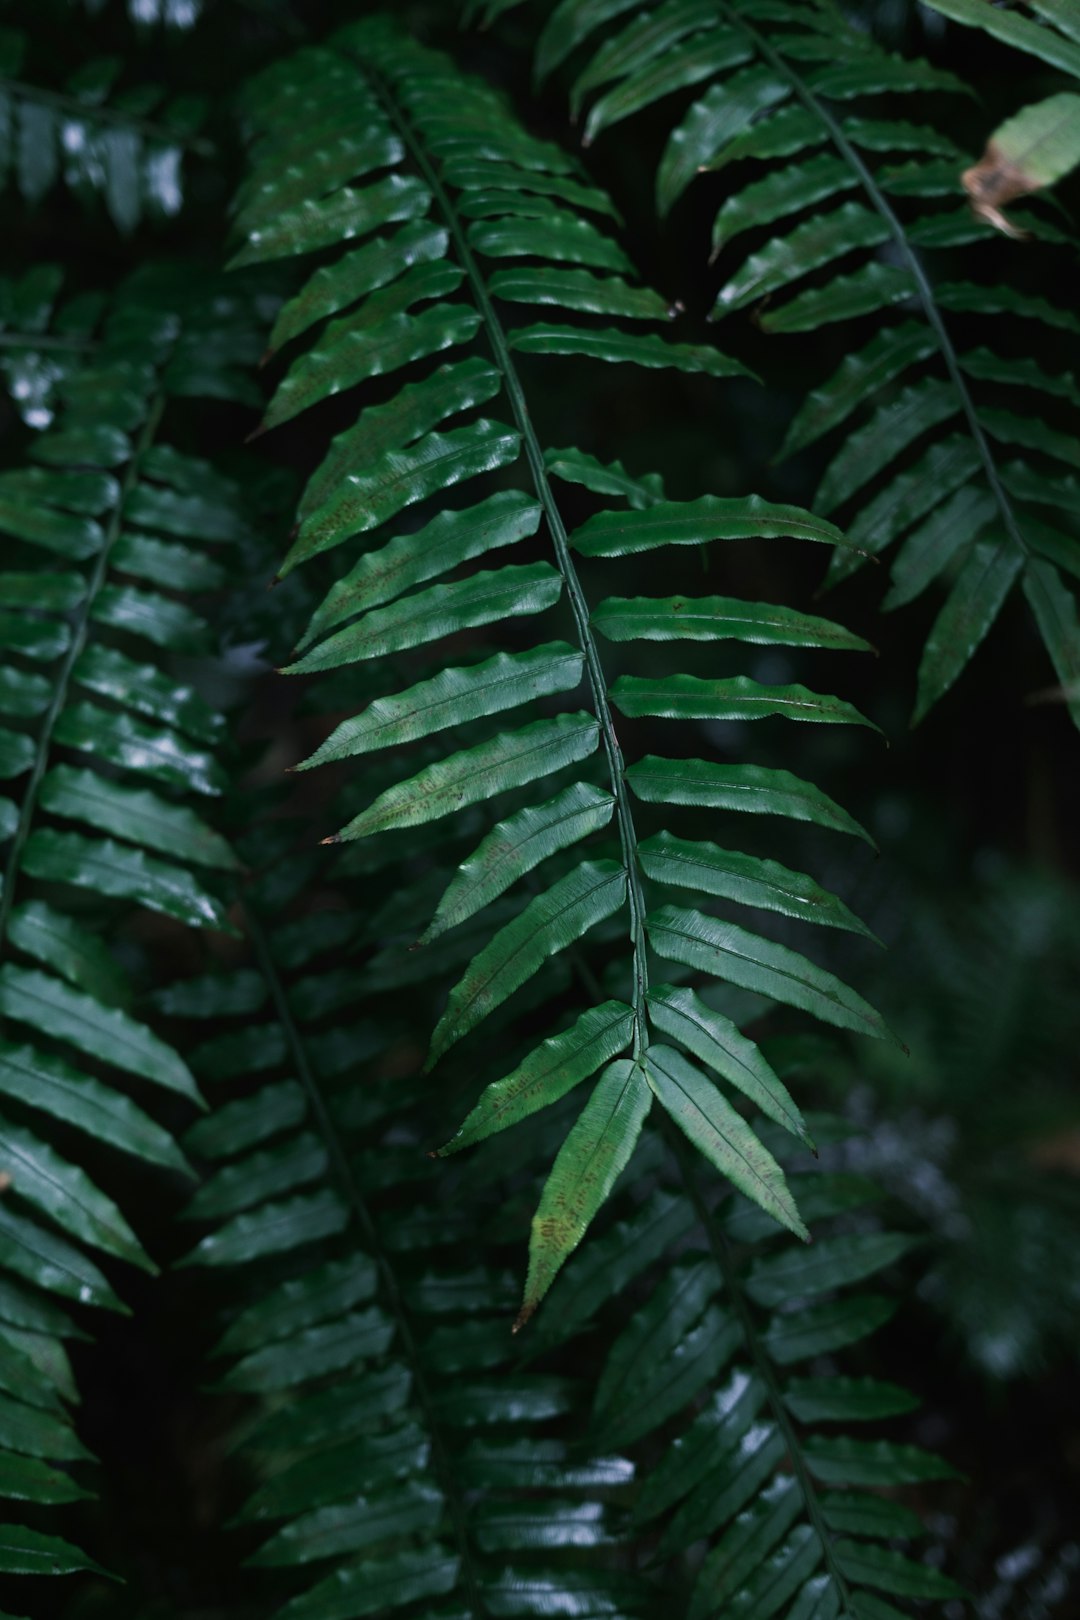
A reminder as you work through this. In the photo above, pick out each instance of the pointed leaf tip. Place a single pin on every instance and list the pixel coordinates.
(593, 1156)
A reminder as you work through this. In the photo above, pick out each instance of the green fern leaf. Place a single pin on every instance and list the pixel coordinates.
(760, 965)
(598, 1147)
(517, 845)
(435, 140)
(88, 843)
(1056, 45)
(548, 924)
(781, 77)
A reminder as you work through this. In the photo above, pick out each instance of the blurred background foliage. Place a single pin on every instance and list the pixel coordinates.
(976, 891)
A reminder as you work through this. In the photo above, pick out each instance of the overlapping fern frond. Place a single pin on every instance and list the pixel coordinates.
(400, 1454)
(844, 204)
(725, 1350)
(404, 1454)
(107, 760)
(126, 146)
(442, 159)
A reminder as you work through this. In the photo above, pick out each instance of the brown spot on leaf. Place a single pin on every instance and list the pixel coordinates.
(993, 183)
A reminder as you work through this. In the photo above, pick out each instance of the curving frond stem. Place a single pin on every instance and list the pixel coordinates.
(763, 1367)
(910, 256)
(341, 1174)
(1053, 607)
(598, 685)
(61, 689)
(965, 503)
(392, 459)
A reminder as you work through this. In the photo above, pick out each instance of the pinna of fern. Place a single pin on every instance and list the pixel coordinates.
(108, 763)
(442, 160)
(845, 206)
(1051, 36)
(46, 336)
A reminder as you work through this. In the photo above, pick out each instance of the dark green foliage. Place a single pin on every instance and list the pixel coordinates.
(990, 1114)
(127, 145)
(109, 766)
(400, 1452)
(843, 198)
(407, 1453)
(1055, 43)
(443, 139)
(403, 1449)
(42, 339)
(306, 1077)
(714, 1356)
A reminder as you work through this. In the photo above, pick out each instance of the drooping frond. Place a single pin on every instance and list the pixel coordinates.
(399, 1452)
(107, 760)
(396, 1453)
(725, 1354)
(851, 187)
(476, 214)
(125, 145)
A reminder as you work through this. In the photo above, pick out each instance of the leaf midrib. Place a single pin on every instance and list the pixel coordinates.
(560, 539)
(80, 635)
(762, 1365)
(348, 1190)
(911, 259)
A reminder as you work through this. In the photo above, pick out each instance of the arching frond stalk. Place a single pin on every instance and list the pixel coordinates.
(468, 187)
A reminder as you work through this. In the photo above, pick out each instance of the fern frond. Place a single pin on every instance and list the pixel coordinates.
(883, 193)
(125, 145)
(107, 758)
(729, 1345)
(400, 1452)
(430, 145)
